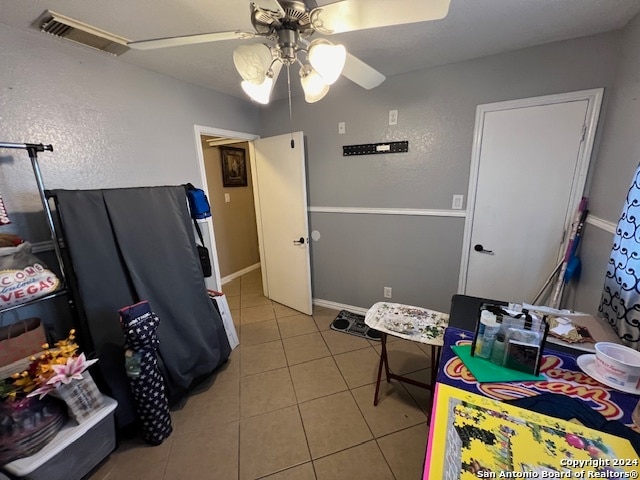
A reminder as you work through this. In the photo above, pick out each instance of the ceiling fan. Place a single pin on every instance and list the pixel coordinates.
(287, 26)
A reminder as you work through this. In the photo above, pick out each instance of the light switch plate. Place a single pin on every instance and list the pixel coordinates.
(456, 204)
(227, 198)
(342, 128)
(393, 117)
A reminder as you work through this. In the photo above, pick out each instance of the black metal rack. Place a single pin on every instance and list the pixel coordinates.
(33, 149)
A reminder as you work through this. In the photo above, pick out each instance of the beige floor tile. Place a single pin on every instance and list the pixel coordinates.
(301, 472)
(405, 356)
(253, 300)
(340, 342)
(261, 358)
(363, 461)
(427, 349)
(219, 404)
(231, 369)
(421, 396)
(359, 367)
(255, 333)
(203, 453)
(296, 325)
(233, 302)
(232, 288)
(316, 379)
(135, 459)
(271, 442)
(266, 392)
(254, 276)
(260, 313)
(235, 316)
(395, 411)
(333, 423)
(405, 451)
(282, 311)
(305, 348)
(324, 317)
(252, 289)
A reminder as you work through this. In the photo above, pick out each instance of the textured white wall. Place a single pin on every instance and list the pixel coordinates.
(111, 124)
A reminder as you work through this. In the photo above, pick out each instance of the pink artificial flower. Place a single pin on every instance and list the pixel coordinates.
(72, 370)
(42, 391)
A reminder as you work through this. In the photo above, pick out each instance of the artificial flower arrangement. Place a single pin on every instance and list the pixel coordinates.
(52, 368)
(29, 417)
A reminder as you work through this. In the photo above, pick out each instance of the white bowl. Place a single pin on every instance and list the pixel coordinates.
(618, 364)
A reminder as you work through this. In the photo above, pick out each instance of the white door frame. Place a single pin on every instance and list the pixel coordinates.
(594, 97)
(218, 132)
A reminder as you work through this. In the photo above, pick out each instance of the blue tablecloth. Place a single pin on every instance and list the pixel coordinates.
(562, 376)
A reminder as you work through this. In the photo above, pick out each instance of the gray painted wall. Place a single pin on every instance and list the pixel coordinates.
(111, 124)
(617, 159)
(419, 257)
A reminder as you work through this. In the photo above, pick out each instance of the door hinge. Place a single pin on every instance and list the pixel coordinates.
(584, 132)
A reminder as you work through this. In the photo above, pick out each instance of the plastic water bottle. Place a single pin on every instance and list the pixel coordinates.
(491, 328)
(497, 354)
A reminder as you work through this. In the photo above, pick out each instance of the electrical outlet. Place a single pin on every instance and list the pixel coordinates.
(456, 204)
(387, 292)
(342, 128)
(393, 117)
(227, 198)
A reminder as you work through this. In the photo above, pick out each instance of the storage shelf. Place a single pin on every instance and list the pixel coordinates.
(57, 293)
(71, 432)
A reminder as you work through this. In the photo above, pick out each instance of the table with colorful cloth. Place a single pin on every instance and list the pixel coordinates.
(517, 430)
(561, 376)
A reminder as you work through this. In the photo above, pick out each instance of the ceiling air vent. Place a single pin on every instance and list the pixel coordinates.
(76, 31)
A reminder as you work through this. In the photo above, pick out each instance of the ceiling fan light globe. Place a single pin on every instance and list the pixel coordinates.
(252, 62)
(258, 93)
(315, 88)
(327, 59)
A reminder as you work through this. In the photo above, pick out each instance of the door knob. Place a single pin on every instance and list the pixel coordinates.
(299, 242)
(479, 248)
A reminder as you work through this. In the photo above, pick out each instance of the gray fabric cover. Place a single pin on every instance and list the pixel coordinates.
(134, 244)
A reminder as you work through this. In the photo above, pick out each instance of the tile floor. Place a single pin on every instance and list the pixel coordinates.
(294, 401)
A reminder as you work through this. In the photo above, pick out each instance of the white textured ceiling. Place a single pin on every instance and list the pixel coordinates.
(473, 28)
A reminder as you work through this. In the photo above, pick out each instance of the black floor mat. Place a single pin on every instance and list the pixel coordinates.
(353, 324)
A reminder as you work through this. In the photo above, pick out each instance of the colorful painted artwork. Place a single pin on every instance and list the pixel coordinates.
(472, 437)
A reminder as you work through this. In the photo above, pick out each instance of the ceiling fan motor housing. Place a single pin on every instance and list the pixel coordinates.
(288, 45)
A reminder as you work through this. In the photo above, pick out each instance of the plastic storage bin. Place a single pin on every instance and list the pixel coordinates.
(74, 451)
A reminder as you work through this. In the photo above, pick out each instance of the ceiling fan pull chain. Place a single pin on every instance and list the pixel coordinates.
(293, 144)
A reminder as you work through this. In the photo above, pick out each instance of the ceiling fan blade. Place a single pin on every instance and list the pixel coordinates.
(359, 72)
(188, 40)
(350, 15)
(272, 5)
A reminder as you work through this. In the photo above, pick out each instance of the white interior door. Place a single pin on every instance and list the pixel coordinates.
(281, 200)
(531, 162)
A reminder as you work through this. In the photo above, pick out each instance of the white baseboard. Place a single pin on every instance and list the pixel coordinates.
(239, 273)
(339, 306)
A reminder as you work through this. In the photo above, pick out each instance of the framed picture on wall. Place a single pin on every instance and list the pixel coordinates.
(234, 167)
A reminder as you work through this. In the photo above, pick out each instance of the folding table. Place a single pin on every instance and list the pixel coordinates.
(410, 323)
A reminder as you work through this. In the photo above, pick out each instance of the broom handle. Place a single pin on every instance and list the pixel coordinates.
(559, 286)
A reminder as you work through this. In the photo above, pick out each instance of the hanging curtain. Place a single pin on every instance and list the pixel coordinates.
(620, 304)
